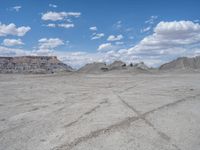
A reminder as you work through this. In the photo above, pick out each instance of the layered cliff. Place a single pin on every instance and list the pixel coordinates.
(32, 64)
(182, 63)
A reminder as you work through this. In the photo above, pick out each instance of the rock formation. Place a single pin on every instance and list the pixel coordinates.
(95, 67)
(98, 67)
(141, 65)
(182, 63)
(32, 64)
(117, 65)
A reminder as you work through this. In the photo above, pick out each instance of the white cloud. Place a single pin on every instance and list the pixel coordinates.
(12, 42)
(50, 43)
(53, 5)
(16, 8)
(61, 25)
(65, 25)
(97, 36)
(115, 38)
(146, 29)
(5, 51)
(47, 46)
(105, 47)
(51, 25)
(151, 20)
(169, 38)
(78, 59)
(56, 16)
(43, 52)
(93, 28)
(11, 29)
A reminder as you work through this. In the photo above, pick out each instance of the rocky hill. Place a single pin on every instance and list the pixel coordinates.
(117, 65)
(95, 67)
(182, 63)
(98, 67)
(32, 64)
(141, 66)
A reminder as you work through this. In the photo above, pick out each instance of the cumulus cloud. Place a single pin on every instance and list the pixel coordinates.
(53, 5)
(97, 36)
(168, 41)
(50, 43)
(61, 25)
(66, 25)
(93, 28)
(105, 47)
(12, 42)
(115, 38)
(47, 46)
(5, 51)
(11, 29)
(57, 16)
(169, 35)
(51, 25)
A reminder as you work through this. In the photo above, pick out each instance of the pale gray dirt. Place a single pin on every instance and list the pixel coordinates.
(111, 111)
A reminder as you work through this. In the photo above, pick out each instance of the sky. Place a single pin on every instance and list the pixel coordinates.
(85, 31)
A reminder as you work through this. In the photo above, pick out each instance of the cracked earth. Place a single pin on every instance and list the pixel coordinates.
(111, 111)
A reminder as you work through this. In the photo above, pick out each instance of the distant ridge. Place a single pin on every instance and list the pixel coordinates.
(99, 67)
(32, 64)
(182, 63)
(50, 64)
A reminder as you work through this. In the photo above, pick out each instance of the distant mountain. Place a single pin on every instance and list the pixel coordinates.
(32, 64)
(182, 63)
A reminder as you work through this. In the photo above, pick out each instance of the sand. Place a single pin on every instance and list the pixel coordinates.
(110, 111)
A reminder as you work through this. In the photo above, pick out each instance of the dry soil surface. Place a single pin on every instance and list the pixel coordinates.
(111, 111)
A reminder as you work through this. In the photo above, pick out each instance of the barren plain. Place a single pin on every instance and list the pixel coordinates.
(109, 111)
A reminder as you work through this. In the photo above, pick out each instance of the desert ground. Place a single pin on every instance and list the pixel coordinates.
(109, 111)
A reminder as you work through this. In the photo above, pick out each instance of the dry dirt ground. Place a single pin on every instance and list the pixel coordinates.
(110, 111)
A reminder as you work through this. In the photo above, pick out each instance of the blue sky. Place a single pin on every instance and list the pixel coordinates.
(80, 32)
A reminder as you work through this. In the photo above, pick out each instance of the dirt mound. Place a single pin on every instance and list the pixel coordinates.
(95, 67)
(117, 65)
(182, 63)
(141, 65)
(99, 67)
(32, 64)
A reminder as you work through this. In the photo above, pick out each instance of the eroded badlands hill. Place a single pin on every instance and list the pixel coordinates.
(32, 64)
(182, 63)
